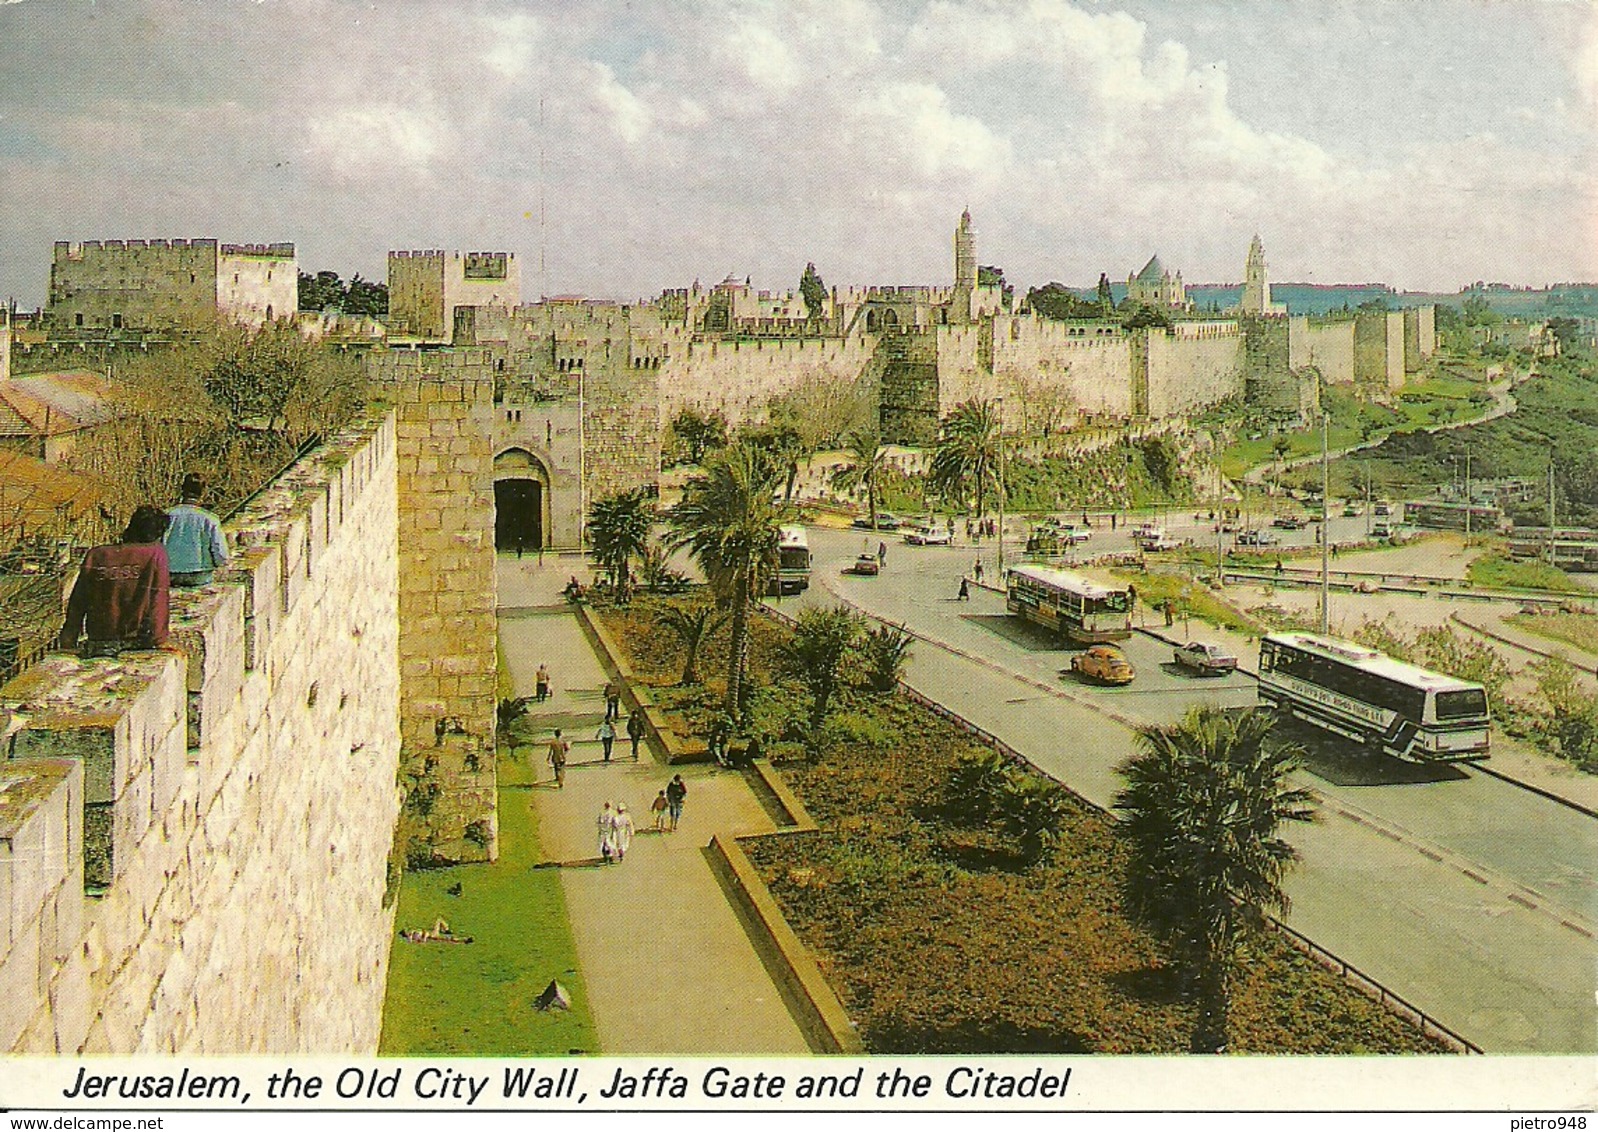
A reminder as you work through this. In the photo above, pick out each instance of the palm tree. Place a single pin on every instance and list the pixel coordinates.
(887, 648)
(1202, 805)
(966, 461)
(692, 624)
(815, 653)
(618, 531)
(728, 521)
(868, 459)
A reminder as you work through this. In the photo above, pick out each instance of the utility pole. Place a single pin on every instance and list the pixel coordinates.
(999, 401)
(1467, 495)
(1220, 535)
(1550, 506)
(1326, 532)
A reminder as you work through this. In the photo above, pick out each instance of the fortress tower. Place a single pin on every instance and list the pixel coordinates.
(965, 268)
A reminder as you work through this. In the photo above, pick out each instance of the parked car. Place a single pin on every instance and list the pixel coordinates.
(866, 565)
(927, 536)
(1205, 659)
(1289, 523)
(1382, 508)
(886, 521)
(1150, 545)
(1256, 538)
(1352, 511)
(1104, 663)
(1381, 530)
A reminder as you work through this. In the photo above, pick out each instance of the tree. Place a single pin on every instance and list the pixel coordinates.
(867, 460)
(1203, 803)
(887, 647)
(815, 653)
(821, 410)
(728, 522)
(700, 433)
(785, 446)
(1146, 315)
(692, 624)
(1057, 301)
(365, 298)
(325, 291)
(322, 291)
(618, 531)
(1106, 296)
(814, 292)
(965, 464)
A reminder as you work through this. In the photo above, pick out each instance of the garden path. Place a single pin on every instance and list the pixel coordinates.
(668, 966)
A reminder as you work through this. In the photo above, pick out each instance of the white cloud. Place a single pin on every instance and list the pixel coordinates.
(628, 115)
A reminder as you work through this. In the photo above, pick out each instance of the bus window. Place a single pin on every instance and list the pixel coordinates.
(1462, 704)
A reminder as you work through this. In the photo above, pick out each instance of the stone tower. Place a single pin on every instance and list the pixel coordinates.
(1256, 288)
(965, 268)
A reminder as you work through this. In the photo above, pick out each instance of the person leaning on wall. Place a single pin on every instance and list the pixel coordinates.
(121, 597)
(195, 545)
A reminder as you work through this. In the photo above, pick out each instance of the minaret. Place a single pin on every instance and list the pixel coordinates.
(1256, 288)
(965, 268)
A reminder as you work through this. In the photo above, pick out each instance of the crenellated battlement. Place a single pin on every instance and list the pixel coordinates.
(163, 798)
(261, 251)
(80, 249)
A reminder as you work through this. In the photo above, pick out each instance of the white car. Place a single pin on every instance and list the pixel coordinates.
(927, 536)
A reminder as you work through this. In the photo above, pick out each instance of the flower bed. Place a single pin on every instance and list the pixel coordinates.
(938, 940)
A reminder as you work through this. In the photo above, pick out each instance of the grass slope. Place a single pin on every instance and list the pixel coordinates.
(478, 999)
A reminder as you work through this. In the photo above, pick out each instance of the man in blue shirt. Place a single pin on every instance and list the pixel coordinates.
(195, 544)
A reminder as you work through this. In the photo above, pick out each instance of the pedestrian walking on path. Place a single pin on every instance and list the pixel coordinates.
(676, 791)
(635, 729)
(541, 683)
(607, 736)
(658, 807)
(605, 828)
(976, 570)
(612, 700)
(965, 590)
(624, 831)
(557, 759)
(882, 554)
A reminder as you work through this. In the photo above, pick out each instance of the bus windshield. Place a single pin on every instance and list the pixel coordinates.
(1465, 704)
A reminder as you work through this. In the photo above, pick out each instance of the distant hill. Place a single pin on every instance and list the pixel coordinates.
(1563, 299)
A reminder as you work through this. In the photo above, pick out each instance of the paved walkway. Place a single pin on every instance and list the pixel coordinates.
(668, 966)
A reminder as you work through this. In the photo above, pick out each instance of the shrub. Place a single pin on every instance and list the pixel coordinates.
(974, 785)
(1031, 810)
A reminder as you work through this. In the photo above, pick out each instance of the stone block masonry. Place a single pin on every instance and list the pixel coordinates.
(230, 805)
(444, 410)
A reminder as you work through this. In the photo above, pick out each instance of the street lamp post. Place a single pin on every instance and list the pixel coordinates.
(1326, 533)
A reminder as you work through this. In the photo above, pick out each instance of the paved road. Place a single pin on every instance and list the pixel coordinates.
(1511, 977)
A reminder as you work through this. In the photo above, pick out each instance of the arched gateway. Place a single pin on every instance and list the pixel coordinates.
(521, 501)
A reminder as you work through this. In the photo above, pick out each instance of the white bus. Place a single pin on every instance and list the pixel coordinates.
(1369, 697)
(793, 560)
(1078, 608)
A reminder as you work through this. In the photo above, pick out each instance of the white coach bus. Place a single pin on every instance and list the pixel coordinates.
(1367, 696)
(1078, 608)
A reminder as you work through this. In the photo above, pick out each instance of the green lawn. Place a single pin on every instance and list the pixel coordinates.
(1192, 598)
(478, 998)
(1579, 629)
(1498, 570)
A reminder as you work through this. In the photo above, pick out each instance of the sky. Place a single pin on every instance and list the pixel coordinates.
(619, 148)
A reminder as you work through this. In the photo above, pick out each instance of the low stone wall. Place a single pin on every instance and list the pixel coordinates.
(228, 802)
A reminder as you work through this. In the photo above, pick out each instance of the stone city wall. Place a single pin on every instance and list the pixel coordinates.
(1327, 346)
(740, 377)
(1088, 360)
(416, 294)
(231, 801)
(1192, 365)
(1379, 348)
(1420, 336)
(443, 402)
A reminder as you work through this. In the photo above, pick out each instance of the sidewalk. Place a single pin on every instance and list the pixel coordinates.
(668, 965)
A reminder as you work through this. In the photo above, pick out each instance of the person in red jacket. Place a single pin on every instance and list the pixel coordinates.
(120, 600)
